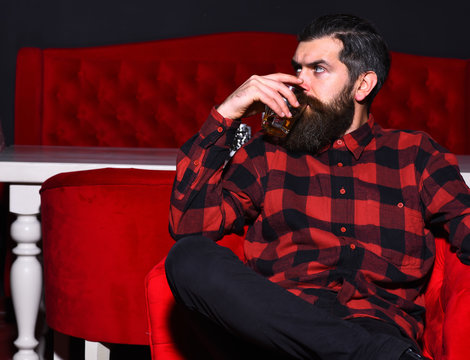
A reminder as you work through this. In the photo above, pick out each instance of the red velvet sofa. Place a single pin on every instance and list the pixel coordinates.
(157, 94)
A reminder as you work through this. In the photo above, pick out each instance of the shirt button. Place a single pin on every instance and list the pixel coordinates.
(220, 129)
(400, 205)
(343, 229)
(342, 191)
(339, 142)
(352, 246)
(340, 164)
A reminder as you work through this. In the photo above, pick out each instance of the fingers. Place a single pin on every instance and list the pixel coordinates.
(274, 89)
(258, 91)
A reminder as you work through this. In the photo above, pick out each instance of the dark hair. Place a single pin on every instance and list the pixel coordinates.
(364, 49)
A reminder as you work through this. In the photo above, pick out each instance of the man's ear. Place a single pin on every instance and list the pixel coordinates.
(364, 85)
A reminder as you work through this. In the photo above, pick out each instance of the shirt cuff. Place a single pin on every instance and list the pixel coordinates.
(227, 122)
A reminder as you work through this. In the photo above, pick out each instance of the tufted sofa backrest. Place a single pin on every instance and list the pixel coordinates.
(428, 94)
(158, 93)
(154, 94)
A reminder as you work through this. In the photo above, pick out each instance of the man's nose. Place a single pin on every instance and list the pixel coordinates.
(301, 75)
(305, 84)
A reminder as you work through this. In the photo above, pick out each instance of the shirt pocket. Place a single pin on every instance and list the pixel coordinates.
(392, 227)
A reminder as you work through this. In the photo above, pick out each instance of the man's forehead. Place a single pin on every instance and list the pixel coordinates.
(321, 49)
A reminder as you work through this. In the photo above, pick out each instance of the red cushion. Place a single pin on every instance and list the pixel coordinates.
(103, 230)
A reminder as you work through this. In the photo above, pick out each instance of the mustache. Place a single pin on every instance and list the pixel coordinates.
(312, 102)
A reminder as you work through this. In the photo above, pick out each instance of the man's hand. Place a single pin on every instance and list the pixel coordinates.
(258, 91)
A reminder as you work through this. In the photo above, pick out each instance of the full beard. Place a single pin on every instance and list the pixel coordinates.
(320, 123)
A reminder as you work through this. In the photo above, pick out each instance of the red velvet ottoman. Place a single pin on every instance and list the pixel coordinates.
(103, 230)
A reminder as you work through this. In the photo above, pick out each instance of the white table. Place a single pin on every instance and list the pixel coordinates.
(25, 168)
(464, 163)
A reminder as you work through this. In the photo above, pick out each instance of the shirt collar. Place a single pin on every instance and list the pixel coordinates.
(357, 140)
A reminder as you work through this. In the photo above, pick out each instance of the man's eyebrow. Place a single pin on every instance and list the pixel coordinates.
(311, 65)
(295, 64)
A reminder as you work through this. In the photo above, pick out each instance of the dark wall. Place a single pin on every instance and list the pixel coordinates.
(432, 28)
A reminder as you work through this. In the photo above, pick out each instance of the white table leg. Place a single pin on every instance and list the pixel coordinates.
(96, 351)
(26, 271)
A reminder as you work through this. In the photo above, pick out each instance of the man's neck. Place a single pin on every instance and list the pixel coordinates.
(361, 116)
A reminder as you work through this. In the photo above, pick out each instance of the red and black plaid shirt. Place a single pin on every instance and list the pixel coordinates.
(348, 229)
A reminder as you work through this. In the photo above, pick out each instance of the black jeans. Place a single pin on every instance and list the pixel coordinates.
(212, 281)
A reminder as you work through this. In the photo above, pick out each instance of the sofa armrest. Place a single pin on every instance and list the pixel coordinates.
(160, 304)
(447, 297)
(456, 305)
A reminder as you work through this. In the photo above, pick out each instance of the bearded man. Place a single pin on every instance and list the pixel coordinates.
(338, 247)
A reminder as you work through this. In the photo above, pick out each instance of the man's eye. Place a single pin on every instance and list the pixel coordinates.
(318, 69)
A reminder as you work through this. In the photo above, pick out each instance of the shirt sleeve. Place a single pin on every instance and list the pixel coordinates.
(445, 195)
(200, 203)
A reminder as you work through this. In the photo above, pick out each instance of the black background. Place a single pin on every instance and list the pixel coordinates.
(432, 28)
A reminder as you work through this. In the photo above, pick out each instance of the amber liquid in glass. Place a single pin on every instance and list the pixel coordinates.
(280, 126)
(276, 126)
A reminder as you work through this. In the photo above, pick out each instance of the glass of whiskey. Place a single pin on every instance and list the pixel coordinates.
(281, 126)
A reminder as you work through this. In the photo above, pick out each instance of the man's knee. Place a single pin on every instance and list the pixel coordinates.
(184, 258)
(197, 265)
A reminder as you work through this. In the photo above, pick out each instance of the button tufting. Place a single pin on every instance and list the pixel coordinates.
(220, 129)
(343, 229)
(342, 191)
(400, 205)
